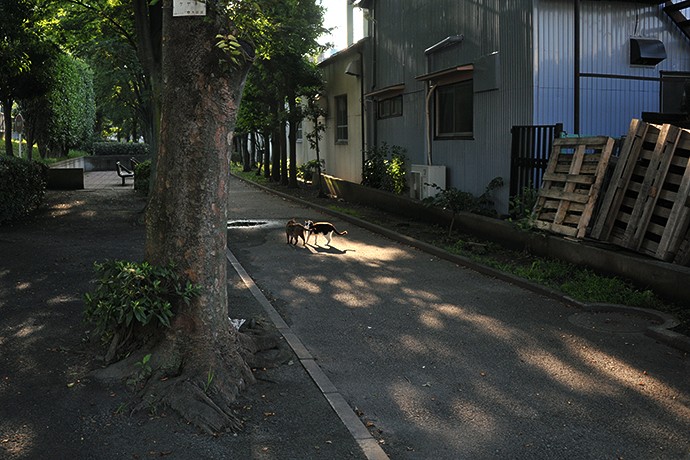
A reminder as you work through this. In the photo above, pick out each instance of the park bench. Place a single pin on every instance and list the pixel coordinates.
(123, 172)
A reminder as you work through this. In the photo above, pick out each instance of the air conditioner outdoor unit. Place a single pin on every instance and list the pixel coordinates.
(423, 175)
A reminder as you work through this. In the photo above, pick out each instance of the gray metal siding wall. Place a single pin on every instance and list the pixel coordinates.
(606, 104)
(406, 28)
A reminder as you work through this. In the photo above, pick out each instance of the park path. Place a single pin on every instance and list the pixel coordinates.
(439, 361)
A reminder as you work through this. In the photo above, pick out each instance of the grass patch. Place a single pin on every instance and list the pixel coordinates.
(580, 283)
(237, 169)
(73, 153)
(348, 211)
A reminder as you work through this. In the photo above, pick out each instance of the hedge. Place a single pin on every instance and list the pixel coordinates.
(120, 148)
(22, 187)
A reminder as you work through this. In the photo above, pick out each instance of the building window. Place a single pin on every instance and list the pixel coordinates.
(454, 111)
(341, 119)
(299, 132)
(675, 92)
(391, 107)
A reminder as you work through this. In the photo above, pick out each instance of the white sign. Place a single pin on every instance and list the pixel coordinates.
(189, 8)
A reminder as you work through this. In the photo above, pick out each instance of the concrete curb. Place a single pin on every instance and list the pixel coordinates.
(659, 332)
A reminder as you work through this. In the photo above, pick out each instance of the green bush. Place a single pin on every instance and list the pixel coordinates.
(385, 168)
(22, 187)
(457, 201)
(120, 148)
(306, 170)
(130, 294)
(142, 177)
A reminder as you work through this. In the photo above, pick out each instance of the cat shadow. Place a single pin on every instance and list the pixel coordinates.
(327, 250)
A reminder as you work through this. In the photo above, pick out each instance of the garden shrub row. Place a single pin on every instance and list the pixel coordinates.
(22, 187)
(120, 148)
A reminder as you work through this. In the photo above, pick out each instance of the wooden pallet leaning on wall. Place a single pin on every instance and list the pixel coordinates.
(571, 184)
(645, 208)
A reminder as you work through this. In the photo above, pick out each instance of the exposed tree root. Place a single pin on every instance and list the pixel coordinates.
(200, 380)
(261, 347)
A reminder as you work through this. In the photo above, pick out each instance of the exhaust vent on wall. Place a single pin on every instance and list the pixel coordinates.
(646, 51)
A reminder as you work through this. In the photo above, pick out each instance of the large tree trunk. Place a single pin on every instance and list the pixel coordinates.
(275, 152)
(148, 26)
(283, 155)
(186, 219)
(292, 138)
(267, 154)
(7, 110)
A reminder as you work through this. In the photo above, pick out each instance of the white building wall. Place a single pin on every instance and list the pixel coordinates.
(343, 160)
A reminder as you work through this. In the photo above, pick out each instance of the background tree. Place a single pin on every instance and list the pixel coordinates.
(20, 43)
(120, 40)
(314, 111)
(283, 74)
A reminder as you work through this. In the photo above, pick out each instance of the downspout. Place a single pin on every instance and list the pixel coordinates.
(576, 68)
(362, 103)
(451, 40)
(429, 94)
(374, 138)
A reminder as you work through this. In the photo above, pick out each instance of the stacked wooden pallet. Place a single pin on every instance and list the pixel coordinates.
(571, 184)
(646, 207)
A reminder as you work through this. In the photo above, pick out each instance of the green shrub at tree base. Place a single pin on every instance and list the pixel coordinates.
(142, 177)
(120, 148)
(22, 187)
(130, 294)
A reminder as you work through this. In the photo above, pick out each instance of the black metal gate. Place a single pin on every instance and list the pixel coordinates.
(530, 150)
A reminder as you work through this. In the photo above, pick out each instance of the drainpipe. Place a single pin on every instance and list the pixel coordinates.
(429, 94)
(445, 43)
(362, 103)
(576, 68)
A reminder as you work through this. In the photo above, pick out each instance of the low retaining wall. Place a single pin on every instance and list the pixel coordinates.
(65, 179)
(98, 162)
(668, 280)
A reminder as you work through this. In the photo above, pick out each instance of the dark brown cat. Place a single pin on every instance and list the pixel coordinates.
(322, 228)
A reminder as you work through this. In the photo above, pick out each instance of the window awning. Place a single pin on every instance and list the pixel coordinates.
(450, 75)
(388, 91)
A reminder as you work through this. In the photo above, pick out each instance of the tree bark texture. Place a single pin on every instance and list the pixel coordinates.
(186, 219)
(7, 110)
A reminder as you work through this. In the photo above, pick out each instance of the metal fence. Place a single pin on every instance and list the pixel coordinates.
(530, 150)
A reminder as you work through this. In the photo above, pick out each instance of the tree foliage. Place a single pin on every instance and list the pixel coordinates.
(71, 105)
(102, 33)
(284, 72)
(20, 47)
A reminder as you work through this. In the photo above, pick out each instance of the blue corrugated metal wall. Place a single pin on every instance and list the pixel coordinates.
(607, 103)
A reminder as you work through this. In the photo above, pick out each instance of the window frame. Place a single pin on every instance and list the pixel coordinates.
(386, 108)
(467, 85)
(341, 119)
(666, 80)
